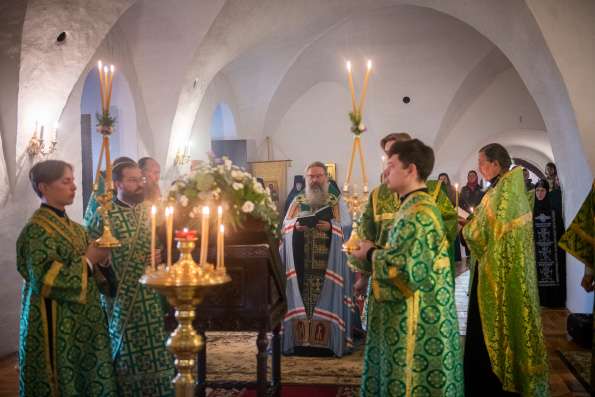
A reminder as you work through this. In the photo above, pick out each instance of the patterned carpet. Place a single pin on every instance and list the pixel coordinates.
(579, 363)
(232, 356)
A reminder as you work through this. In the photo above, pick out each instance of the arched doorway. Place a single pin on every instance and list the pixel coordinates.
(224, 135)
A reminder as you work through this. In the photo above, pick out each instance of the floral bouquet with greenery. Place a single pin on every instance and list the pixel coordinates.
(219, 182)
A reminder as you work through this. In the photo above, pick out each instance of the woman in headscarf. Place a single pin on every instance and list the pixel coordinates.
(548, 227)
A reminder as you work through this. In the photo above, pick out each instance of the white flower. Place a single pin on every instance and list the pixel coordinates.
(248, 207)
(183, 200)
(195, 212)
(257, 186)
(237, 186)
(237, 175)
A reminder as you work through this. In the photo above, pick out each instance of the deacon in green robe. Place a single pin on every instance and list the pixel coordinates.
(579, 241)
(64, 347)
(412, 346)
(143, 365)
(505, 351)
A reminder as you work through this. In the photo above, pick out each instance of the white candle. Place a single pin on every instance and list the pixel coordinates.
(204, 235)
(221, 248)
(169, 218)
(153, 235)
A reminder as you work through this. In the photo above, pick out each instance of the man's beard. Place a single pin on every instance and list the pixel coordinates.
(317, 194)
(136, 197)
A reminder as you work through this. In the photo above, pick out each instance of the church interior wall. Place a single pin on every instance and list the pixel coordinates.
(296, 89)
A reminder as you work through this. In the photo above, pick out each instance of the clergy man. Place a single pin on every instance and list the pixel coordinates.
(135, 315)
(505, 351)
(64, 345)
(319, 283)
(415, 349)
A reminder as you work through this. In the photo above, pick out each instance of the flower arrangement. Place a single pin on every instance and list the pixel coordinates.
(219, 182)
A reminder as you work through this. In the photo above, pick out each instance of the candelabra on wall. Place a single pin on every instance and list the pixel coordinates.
(355, 198)
(39, 146)
(182, 157)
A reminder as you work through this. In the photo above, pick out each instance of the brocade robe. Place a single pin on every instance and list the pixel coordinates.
(378, 219)
(144, 367)
(413, 346)
(64, 347)
(579, 241)
(319, 283)
(500, 237)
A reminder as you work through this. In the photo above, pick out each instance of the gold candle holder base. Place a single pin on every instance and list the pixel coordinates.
(107, 239)
(184, 285)
(352, 244)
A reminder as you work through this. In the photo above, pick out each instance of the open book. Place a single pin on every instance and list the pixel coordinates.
(311, 219)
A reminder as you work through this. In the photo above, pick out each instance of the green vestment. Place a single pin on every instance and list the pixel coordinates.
(579, 241)
(413, 345)
(64, 348)
(378, 218)
(500, 237)
(144, 367)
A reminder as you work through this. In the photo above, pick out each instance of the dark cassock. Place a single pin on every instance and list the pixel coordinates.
(319, 282)
(298, 187)
(64, 347)
(579, 241)
(550, 260)
(143, 365)
(413, 344)
(505, 352)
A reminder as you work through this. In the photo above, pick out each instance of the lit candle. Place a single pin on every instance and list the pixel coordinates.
(169, 224)
(456, 196)
(219, 225)
(109, 86)
(41, 134)
(204, 235)
(101, 85)
(221, 248)
(365, 89)
(153, 235)
(351, 88)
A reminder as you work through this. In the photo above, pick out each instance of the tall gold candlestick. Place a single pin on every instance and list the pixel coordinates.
(365, 89)
(204, 235)
(169, 225)
(109, 183)
(153, 235)
(351, 87)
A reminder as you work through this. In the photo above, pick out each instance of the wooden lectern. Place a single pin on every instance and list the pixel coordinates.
(253, 301)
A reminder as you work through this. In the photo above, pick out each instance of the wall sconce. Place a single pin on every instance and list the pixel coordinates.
(40, 146)
(182, 157)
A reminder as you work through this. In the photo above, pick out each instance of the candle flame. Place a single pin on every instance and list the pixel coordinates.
(99, 65)
(112, 68)
(205, 210)
(153, 210)
(220, 210)
(105, 69)
(456, 185)
(369, 64)
(349, 66)
(169, 211)
(222, 229)
(185, 230)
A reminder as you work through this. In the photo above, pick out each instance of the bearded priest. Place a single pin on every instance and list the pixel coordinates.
(143, 365)
(319, 282)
